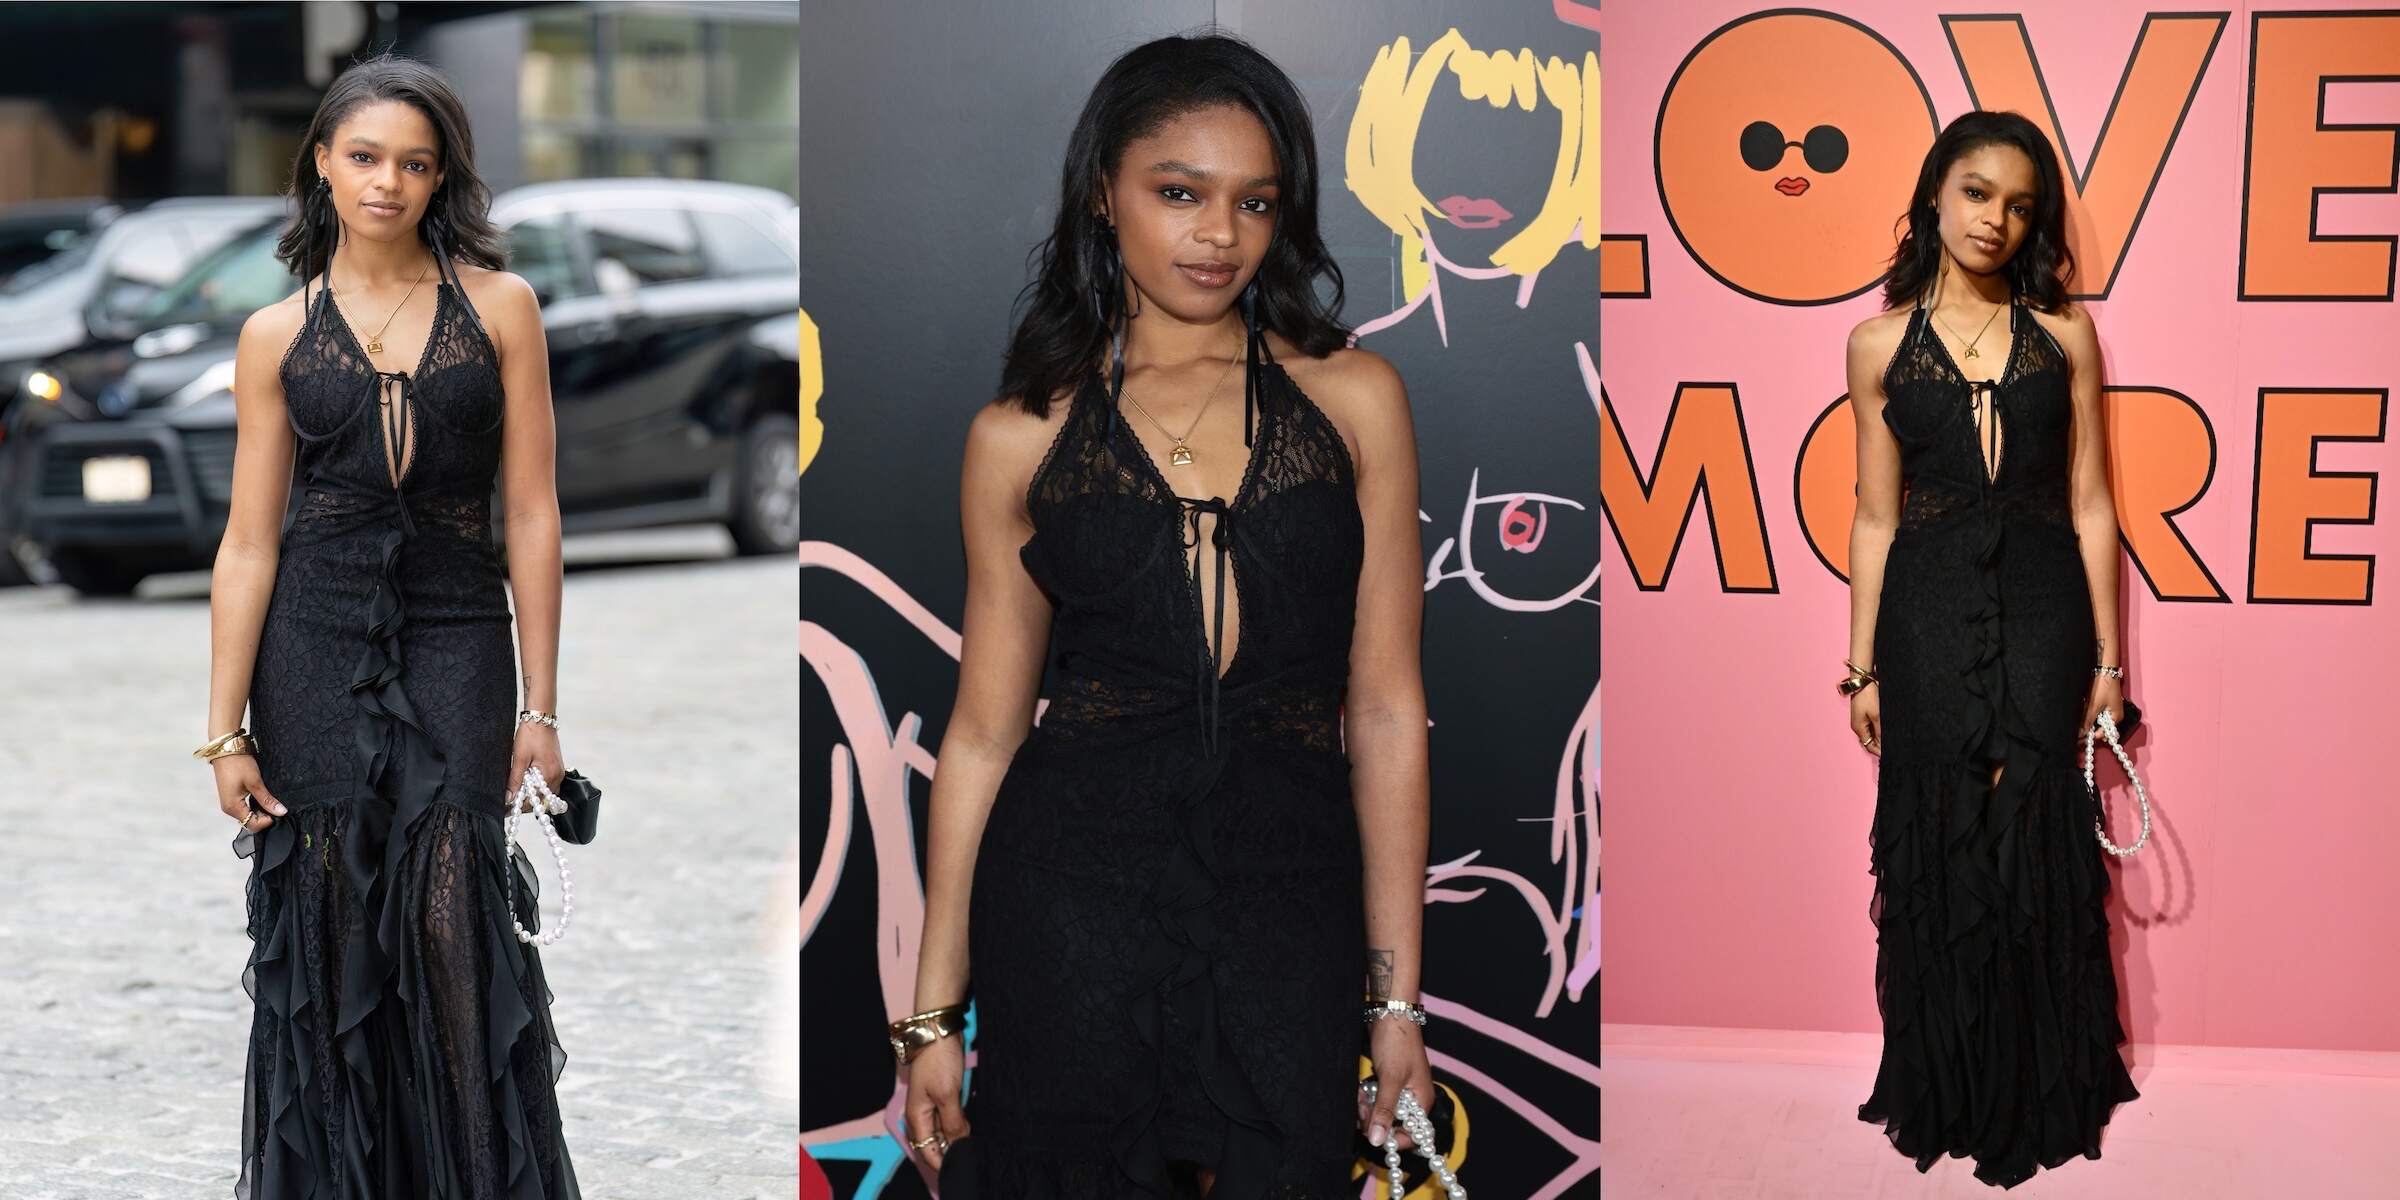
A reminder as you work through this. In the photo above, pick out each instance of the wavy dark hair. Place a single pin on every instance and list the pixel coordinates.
(2042, 264)
(457, 221)
(1071, 316)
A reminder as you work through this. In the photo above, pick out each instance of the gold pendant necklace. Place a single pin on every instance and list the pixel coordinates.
(1971, 352)
(375, 343)
(1181, 454)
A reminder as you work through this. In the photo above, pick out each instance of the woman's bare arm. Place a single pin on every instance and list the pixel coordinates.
(243, 577)
(2094, 507)
(1383, 717)
(1870, 350)
(528, 480)
(1003, 638)
(243, 580)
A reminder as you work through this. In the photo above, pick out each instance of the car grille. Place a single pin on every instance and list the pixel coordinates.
(211, 452)
(62, 469)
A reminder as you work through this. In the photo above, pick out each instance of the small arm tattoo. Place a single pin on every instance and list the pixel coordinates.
(1379, 974)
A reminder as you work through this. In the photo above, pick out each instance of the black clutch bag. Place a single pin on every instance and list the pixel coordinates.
(2132, 718)
(582, 818)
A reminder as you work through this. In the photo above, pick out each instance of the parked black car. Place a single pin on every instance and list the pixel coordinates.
(36, 230)
(672, 313)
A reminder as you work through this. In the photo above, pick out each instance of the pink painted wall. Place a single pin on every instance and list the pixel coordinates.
(2266, 911)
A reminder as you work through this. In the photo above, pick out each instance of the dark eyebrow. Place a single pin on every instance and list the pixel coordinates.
(372, 144)
(1978, 177)
(1179, 167)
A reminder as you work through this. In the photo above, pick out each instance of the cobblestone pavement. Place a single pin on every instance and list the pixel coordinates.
(121, 939)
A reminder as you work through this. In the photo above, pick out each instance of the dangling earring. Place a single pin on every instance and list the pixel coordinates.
(436, 219)
(1112, 313)
(332, 236)
(318, 216)
(1253, 347)
(1117, 319)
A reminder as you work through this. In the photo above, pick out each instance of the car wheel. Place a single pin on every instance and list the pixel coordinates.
(766, 491)
(94, 574)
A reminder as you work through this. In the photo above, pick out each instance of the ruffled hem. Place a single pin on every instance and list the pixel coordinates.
(1174, 968)
(1993, 974)
(1992, 971)
(401, 1043)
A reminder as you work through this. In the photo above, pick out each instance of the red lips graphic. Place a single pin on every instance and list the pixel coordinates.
(1791, 185)
(1473, 212)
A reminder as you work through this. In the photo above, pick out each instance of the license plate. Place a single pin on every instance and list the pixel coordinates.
(116, 479)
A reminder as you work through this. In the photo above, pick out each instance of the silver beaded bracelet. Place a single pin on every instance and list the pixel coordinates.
(1399, 1008)
(538, 718)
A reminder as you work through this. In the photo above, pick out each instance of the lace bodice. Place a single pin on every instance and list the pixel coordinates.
(1930, 406)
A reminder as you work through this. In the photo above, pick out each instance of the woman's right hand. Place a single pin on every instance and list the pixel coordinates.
(936, 1082)
(1866, 718)
(237, 776)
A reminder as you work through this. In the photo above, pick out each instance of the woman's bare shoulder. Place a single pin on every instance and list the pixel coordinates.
(487, 286)
(273, 327)
(2071, 326)
(1879, 335)
(1353, 386)
(1006, 443)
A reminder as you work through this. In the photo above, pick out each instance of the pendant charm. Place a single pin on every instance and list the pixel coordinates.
(1972, 353)
(1181, 456)
(376, 347)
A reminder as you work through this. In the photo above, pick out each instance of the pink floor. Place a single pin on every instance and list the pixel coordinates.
(1721, 1113)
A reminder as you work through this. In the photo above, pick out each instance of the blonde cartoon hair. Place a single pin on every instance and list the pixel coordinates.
(1380, 158)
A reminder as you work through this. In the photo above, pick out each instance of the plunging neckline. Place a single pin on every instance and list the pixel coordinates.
(1250, 463)
(2008, 367)
(1176, 502)
(401, 458)
(432, 333)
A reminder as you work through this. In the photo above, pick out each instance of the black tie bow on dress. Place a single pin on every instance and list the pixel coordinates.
(396, 427)
(1213, 658)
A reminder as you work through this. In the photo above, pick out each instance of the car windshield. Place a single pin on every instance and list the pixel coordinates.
(65, 262)
(227, 284)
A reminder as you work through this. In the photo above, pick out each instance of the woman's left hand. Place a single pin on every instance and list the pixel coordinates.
(2108, 693)
(1397, 1046)
(537, 746)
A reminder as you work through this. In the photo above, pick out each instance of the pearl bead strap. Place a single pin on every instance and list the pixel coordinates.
(2107, 725)
(1411, 1115)
(544, 802)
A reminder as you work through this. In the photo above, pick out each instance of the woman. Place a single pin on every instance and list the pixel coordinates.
(401, 1042)
(1172, 891)
(1984, 611)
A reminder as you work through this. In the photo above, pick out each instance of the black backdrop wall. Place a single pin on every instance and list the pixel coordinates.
(931, 136)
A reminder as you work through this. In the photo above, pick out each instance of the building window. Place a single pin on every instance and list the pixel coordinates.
(558, 82)
(655, 71)
(645, 92)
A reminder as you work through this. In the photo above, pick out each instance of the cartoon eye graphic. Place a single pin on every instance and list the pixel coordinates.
(1826, 149)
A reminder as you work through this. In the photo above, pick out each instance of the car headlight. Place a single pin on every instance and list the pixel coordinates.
(216, 380)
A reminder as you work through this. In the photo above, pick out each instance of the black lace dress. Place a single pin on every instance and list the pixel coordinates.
(1992, 969)
(401, 1042)
(1167, 927)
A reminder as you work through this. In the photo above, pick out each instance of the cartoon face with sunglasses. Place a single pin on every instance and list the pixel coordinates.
(1825, 149)
(1786, 144)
